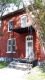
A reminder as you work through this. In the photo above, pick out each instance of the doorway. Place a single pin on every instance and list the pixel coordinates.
(29, 47)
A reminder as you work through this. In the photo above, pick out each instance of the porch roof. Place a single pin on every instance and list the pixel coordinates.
(24, 30)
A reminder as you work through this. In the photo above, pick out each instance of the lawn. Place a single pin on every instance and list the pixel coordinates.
(3, 64)
(37, 73)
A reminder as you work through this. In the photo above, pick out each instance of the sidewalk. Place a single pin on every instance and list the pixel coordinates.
(11, 74)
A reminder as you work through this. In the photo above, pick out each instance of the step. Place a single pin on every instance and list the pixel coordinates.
(18, 65)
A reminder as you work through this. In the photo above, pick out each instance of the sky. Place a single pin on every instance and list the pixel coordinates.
(12, 7)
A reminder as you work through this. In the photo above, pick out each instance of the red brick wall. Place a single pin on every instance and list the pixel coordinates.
(20, 45)
(20, 40)
(37, 48)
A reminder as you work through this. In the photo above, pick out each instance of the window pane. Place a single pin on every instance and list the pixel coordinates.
(23, 21)
(13, 48)
(29, 43)
(9, 48)
(9, 42)
(10, 28)
(11, 45)
(10, 25)
(13, 41)
(30, 38)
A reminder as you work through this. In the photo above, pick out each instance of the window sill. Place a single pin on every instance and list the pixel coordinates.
(10, 52)
(9, 31)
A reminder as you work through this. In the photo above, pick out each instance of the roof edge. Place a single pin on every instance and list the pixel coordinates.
(12, 13)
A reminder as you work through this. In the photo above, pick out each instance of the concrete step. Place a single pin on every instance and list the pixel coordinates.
(18, 65)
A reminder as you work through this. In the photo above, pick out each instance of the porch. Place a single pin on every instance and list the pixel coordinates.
(22, 64)
(29, 37)
(26, 60)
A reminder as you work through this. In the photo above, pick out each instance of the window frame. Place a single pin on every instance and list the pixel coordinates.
(11, 46)
(11, 26)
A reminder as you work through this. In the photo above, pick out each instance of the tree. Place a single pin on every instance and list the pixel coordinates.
(3, 7)
(4, 2)
(37, 16)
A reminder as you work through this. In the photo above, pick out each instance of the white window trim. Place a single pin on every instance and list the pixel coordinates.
(7, 46)
(10, 52)
(8, 25)
(24, 16)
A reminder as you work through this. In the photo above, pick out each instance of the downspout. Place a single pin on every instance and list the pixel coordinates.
(29, 33)
(30, 30)
(28, 46)
(12, 44)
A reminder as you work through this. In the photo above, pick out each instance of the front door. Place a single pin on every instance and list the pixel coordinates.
(29, 47)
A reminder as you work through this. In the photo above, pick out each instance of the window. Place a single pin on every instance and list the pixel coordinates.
(29, 44)
(10, 25)
(23, 21)
(30, 38)
(11, 44)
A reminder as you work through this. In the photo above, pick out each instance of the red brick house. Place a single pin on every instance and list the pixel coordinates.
(19, 39)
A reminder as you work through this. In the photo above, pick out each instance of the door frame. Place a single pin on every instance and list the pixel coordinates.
(31, 40)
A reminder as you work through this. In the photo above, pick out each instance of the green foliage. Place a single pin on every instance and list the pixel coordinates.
(40, 15)
(38, 4)
(41, 21)
(37, 73)
(30, 8)
(3, 2)
(3, 64)
(17, 2)
(10, 1)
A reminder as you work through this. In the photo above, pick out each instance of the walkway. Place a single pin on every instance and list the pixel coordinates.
(11, 74)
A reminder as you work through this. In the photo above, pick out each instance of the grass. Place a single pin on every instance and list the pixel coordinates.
(3, 64)
(37, 73)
